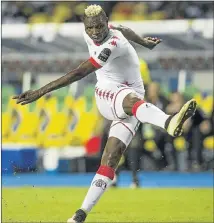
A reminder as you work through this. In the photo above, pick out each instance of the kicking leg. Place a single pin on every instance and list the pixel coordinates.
(148, 113)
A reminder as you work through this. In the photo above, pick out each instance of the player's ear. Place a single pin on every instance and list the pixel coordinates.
(107, 21)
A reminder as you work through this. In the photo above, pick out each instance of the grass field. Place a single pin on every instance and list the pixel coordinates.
(117, 205)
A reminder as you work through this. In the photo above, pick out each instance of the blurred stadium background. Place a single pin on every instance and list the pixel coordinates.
(59, 139)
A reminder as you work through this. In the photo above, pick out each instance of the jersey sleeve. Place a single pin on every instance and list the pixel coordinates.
(107, 52)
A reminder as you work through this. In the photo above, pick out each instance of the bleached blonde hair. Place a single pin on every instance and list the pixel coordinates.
(93, 10)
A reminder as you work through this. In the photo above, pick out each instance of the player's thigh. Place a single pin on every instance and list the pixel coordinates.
(109, 99)
(124, 130)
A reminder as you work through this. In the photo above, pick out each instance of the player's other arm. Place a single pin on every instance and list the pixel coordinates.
(148, 42)
(80, 72)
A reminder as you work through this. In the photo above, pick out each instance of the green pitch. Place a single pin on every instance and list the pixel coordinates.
(117, 205)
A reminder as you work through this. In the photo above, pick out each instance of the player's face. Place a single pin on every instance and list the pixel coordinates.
(96, 28)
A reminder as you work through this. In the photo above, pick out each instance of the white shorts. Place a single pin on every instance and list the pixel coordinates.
(109, 98)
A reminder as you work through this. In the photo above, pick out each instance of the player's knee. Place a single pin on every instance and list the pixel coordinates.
(113, 152)
(129, 102)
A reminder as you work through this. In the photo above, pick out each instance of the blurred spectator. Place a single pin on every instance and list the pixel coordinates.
(145, 73)
(176, 102)
(155, 97)
(36, 12)
(195, 140)
(176, 149)
(160, 137)
(186, 150)
(207, 135)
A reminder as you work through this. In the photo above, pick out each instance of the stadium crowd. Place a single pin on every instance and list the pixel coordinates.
(45, 11)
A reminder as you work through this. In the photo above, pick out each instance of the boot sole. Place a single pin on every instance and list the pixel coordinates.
(189, 112)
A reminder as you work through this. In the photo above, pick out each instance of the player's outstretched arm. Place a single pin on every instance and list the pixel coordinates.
(80, 72)
(148, 42)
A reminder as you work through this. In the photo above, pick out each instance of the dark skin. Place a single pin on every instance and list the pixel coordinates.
(97, 29)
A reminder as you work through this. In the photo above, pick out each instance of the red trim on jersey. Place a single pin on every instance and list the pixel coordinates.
(124, 126)
(94, 62)
(113, 43)
(106, 171)
(115, 101)
(136, 105)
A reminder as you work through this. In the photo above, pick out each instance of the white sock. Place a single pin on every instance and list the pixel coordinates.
(100, 182)
(149, 113)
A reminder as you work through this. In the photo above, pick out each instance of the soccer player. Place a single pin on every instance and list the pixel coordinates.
(119, 94)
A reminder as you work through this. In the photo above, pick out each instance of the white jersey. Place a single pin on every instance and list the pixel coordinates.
(117, 60)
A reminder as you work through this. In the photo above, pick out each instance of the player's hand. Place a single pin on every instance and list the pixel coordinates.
(28, 97)
(152, 42)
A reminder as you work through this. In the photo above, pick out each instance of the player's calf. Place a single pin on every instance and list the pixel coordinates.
(113, 151)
